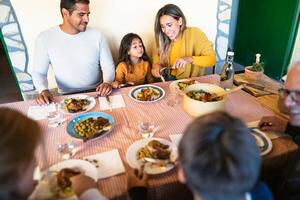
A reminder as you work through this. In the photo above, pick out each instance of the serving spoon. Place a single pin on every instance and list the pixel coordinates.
(225, 92)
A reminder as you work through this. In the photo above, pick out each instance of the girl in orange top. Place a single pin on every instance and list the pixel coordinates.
(134, 66)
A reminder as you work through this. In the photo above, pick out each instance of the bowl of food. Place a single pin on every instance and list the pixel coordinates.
(199, 99)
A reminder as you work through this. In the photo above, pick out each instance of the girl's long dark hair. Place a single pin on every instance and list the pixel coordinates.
(125, 47)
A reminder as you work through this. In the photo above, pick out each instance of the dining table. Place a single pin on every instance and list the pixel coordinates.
(168, 119)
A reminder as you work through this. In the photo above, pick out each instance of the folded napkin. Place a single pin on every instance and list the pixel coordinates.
(40, 112)
(175, 138)
(271, 134)
(107, 163)
(116, 101)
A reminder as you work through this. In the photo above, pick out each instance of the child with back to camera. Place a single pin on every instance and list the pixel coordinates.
(133, 63)
(219, 160)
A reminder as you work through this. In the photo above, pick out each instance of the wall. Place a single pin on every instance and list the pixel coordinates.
(296, 51)
(136, 16)
(112, 21)
(263, 30)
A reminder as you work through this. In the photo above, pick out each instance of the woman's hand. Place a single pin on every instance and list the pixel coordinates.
(181, 62)
(156, 70)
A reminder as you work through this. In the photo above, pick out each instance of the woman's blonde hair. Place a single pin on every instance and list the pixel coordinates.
(162, 41)
(19, 137)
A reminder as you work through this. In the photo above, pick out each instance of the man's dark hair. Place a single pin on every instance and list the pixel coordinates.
(70, 4)
(219, 157)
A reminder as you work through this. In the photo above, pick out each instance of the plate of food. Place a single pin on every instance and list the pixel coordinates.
(56, 184)
(180, 85)
(262, 140)
(90, 125)
(157, 154)
(146, 93)
(77, 104)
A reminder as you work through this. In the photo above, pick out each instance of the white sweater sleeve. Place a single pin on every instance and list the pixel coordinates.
(92, 194)
(106, 62)
(41, 63)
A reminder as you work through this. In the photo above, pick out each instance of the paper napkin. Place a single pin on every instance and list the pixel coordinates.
(107, 163)
(175, 138)
(40, 112)
(116, 101)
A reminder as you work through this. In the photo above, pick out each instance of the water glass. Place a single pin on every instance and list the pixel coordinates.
(67, 150)
(54, 117)
(146, 129)
(174, 97)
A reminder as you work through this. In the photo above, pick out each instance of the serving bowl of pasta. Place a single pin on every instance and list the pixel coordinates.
(198, 99)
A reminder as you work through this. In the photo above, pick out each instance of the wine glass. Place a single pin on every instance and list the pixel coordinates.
(174, 97)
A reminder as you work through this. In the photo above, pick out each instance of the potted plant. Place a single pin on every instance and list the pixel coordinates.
(255, 71)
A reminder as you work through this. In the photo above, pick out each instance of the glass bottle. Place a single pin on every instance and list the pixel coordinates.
(227, 73)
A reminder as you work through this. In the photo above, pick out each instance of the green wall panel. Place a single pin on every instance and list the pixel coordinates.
(268, 27)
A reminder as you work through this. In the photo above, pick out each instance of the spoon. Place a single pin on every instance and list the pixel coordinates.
(225, 92)
(163, 69)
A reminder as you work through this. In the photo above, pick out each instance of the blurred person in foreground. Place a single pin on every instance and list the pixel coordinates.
(290, 100)
(20, 136)
(219, 159)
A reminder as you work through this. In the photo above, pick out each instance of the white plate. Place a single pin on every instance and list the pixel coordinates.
(82, 165)
(131, 156)
(174, 84)
(263, 141)
(91, 105)
(134, 91)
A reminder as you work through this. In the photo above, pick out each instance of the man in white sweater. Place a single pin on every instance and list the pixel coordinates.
(79, 55)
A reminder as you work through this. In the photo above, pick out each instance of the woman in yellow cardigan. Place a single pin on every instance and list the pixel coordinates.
(184, 49)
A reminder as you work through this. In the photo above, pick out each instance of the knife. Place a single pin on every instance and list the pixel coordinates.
(109, 102)
(262, 88)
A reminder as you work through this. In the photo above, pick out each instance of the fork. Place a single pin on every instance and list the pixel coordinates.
(126, 84)
(109, 103)
(96, 96)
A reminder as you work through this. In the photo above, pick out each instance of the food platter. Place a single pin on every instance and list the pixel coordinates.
(150, 168)
(80, 103)
(263, 141)
(92, 117)
(146, 93)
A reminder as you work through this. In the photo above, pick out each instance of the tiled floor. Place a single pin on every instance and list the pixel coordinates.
(8, 86)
